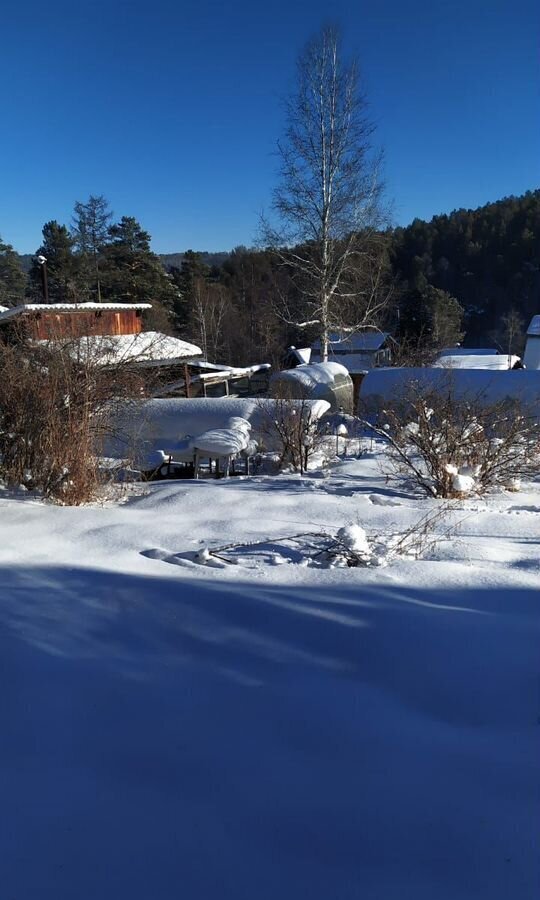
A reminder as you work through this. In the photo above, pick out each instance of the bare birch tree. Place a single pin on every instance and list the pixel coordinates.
(328, 200)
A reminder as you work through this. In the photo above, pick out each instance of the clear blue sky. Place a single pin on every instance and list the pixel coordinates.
(172, 109)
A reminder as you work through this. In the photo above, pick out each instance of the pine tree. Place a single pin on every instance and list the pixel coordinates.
(132, 273)
(12, 277)
(90, 232)
(430, 318)
(63, 267)
(191, 273)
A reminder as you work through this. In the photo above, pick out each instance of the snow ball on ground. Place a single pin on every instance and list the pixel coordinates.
(463, 483)
(354, 537)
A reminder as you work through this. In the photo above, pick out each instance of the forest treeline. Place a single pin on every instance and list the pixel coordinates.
(470, 276)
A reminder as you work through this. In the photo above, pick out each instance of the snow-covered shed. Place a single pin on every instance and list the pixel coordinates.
(383, 386)
(531, 357)
(328, 381)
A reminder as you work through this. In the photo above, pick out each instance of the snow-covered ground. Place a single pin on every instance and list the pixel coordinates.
(268, 728)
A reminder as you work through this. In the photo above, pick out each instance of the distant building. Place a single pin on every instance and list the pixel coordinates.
(107, 333)
(531, 357)
(359, 353)
(54, 321)
(465, 358)
(112, 333)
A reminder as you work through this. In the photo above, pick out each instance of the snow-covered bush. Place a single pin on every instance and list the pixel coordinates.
(292, 427)
(57, 407)
(455, 447)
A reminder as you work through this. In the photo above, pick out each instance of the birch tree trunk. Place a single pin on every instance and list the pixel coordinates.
(328, 202)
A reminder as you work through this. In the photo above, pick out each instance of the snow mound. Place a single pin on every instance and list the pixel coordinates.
(312, 374)
(464, 484)
(354, 538)
(223, 442)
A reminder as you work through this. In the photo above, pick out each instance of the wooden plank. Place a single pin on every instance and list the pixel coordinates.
(49, 325)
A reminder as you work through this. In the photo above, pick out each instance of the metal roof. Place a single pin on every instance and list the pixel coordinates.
(355, 343)
(14, 311)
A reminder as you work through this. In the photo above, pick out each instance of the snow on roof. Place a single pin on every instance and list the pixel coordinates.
(468, 351)
(312, 374)
(534, 327)
(382, 386)
(366, 340)
(493, 361)
(4, 309)
(356, 363)
(150, 348)
(68, 307)
(215, 369)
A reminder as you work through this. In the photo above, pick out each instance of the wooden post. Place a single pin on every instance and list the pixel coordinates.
(187, 380)
(196, 464)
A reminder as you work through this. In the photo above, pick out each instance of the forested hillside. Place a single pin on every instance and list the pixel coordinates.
(487, 258)
(472, 275)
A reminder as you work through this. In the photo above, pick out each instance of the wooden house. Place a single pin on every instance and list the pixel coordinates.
(111, 333)
(359, 352)
(56, 321)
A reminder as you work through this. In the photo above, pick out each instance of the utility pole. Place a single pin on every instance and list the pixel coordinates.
(42, 260)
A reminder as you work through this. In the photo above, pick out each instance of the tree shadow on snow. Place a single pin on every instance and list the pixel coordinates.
(175, 737)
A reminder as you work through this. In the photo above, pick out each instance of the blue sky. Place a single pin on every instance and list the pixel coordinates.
(172, 109)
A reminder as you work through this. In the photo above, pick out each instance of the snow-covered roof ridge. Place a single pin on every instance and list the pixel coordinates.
(68, 307)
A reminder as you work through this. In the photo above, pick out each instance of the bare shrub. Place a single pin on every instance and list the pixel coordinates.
(58, 404)
(291, 428)
(453, 446)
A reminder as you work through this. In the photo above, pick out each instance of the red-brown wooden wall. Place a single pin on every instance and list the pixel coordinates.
(49, 324)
